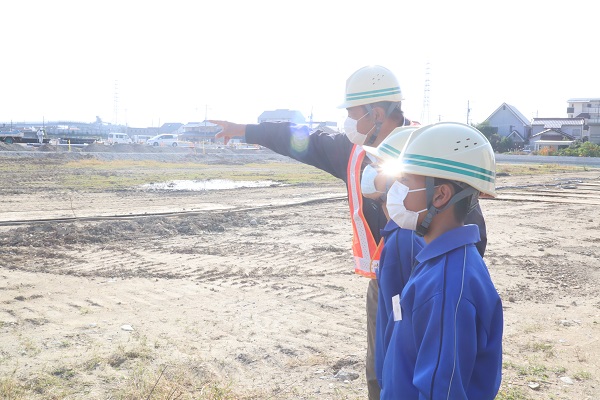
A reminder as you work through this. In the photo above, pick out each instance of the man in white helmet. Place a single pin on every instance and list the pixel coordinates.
(445, 341)
(373, 101)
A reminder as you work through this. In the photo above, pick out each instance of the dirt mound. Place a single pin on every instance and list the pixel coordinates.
(57, 235)
(13, 147)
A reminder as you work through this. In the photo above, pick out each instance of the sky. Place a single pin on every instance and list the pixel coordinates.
(146, 63)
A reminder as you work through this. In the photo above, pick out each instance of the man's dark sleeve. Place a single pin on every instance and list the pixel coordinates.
(475, 217)
(328, 152)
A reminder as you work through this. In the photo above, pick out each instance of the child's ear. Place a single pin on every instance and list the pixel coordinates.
(442, 195)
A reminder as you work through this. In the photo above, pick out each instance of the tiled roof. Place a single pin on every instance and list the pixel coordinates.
(557, 123)
(551, 131)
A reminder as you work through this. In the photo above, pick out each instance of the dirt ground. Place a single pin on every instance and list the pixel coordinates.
(249, 293)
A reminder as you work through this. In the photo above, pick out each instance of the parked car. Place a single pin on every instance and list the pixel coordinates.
(119, 138)
(166, 139)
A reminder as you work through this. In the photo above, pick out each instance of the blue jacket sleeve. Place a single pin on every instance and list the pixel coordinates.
(328, 152)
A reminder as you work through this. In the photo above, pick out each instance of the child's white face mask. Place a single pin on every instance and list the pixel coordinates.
(367, 181)
(395, 205)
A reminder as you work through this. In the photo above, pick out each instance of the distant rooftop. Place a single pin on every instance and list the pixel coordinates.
(282, 115)
(583, 99)
(557, 123)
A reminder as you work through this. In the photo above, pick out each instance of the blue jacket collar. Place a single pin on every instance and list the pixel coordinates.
(448, 241)
(389, 227)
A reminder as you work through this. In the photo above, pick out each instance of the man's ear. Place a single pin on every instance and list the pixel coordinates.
(378, 114)
(442, 195)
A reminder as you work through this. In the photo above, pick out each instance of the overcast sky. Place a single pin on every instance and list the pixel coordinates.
(177, 61)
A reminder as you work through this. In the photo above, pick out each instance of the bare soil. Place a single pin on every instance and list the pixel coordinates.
(249, 293)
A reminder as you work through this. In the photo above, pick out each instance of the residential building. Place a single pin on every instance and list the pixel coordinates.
(552, 138)
(589, 109)
(199, 131)
(510, 123)
(573, 127)
(282, 115)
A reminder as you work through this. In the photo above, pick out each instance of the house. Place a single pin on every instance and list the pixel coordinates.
(571, 126)
(589, 109)
(199, 131)
(281, 115)
(170, 127)
(510, 123)
(552, 138)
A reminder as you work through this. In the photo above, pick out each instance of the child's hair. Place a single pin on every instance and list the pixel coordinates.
(461, 207)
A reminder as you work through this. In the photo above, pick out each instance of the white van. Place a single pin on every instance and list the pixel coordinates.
(164, 140)
(119, 138)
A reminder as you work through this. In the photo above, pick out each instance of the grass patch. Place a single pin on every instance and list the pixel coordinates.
(512, 393)
(11, 389)
(538, 169)
(122, 355)
(582, 376)
(172, 382)
(545, 348)
(92, 175)
(529, 372)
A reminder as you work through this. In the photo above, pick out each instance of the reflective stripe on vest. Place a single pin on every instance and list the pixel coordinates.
(366, 252)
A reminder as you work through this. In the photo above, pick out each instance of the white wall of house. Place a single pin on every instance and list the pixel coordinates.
(594, 134)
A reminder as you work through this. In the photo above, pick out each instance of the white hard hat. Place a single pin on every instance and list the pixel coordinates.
(371, 84)
(453, 151)
(390, 149)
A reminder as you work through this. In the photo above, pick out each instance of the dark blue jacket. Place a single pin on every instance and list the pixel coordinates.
(448, 344)
(396, 262)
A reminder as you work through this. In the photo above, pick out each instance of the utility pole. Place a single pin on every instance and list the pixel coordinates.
(116, 103)
(468, 111)
(425, 109)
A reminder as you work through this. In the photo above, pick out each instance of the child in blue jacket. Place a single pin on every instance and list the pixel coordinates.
(446, 334)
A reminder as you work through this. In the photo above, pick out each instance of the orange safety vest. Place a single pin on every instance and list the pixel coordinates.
(366, 252)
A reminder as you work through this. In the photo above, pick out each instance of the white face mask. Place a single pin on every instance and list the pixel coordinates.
(367, 181)
(395, 205)
(351, 130)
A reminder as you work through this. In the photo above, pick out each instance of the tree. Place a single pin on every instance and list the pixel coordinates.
(506, 144)
(581, 149)
(487, 130)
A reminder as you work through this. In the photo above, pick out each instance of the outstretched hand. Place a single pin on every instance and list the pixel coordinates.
(229, 129)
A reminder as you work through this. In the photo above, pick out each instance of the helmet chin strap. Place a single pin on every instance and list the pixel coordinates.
(432, 211)
(370, 140)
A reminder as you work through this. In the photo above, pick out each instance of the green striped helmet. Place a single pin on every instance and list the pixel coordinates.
(371, 84)
(390, 149)
(453, 151)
